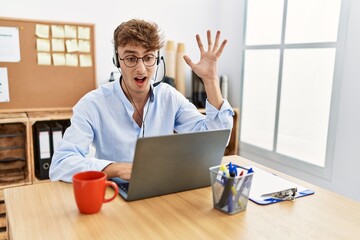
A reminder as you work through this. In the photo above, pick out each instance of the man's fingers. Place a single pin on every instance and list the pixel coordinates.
(209, 40)
(218, 53)
(188, 61)
(216, 45)
(201, 47)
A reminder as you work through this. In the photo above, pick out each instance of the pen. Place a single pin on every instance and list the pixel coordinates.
(239, 184)
(232, 170)
(233, 194)
(243, 184)
(224, 170)
(241, 180)
(226, 195)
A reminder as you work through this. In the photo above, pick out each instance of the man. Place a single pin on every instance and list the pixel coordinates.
(115, 115)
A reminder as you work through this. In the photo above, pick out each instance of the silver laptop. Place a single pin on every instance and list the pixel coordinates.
(173, 163)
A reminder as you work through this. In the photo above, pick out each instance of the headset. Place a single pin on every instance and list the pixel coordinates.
(116, 58)
(158, 59)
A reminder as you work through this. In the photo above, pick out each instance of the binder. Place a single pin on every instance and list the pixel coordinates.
(42, 150)
(268, 188)
(65, 124)
(56, 133)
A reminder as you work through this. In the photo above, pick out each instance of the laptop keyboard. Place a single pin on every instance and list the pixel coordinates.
(124, 186)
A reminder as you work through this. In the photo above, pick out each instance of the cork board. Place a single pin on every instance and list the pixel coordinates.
(37, 86)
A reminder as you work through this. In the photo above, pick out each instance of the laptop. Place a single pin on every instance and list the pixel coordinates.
(173, 163)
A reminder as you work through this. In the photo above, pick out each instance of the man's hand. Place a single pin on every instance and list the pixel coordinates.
(121, 170)
(206, 68)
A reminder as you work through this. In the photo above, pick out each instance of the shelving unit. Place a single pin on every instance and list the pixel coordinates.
(27, 119)
(36, 116)
(3, 222)
(15, 145)
(15, 152)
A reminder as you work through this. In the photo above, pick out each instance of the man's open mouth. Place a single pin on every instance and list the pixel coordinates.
(140, 79)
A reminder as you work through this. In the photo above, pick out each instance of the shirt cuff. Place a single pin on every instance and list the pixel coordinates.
(99, 165)
(212, 112)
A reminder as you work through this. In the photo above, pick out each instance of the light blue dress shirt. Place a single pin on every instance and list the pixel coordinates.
(103, 118)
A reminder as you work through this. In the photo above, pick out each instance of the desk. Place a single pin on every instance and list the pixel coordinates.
(48, 211)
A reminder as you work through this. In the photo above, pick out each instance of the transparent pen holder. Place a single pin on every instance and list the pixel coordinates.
(230, 194)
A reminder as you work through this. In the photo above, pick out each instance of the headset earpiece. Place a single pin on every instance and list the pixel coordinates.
(116, 58)
(159, 59)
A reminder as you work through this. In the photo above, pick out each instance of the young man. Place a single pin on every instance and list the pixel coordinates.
(115, 115)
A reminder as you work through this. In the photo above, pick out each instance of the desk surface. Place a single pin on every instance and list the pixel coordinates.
(48, 211)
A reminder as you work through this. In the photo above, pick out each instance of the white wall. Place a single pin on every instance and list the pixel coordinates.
(231, 24)
(180, 21)
(346, 168)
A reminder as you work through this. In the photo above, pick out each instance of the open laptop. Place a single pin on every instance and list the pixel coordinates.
(173, 163)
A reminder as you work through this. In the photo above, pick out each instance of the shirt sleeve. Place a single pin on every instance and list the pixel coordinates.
(224, 115)
(189, 119)
(71, 155)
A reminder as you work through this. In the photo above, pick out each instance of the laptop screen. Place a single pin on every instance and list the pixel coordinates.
(174, 163)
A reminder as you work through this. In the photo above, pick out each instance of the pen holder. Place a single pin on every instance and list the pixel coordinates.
(230, 194)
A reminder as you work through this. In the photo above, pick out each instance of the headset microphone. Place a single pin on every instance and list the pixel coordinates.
(163, 78)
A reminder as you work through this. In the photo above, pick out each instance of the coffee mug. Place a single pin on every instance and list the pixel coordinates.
(89, 190)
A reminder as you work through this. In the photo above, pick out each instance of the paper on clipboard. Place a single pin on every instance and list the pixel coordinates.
(265, 183)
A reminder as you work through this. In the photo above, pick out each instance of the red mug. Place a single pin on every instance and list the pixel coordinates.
(89, 190)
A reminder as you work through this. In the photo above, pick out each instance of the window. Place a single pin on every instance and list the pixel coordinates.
(292, 52)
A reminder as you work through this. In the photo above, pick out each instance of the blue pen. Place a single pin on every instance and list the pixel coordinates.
(232, 170)
(227, 195)
(233, 194)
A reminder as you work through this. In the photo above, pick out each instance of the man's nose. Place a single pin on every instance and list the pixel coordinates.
(140, 66)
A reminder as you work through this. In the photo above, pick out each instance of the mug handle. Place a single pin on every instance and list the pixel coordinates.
(116, 191)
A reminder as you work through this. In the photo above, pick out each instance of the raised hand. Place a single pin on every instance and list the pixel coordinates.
(206, 68)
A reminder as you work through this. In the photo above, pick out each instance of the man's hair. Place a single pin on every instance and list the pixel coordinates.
(139, 33)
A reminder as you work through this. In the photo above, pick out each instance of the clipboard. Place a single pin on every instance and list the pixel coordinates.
(265, 185)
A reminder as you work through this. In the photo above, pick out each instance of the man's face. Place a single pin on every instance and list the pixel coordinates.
(137, 78)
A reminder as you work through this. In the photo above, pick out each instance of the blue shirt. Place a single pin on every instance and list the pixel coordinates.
(103, 118)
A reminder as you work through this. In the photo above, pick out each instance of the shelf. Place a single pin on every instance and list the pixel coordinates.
(39, 116)
(15, 145)
(13, 117)
(49, 116)
(28, 118)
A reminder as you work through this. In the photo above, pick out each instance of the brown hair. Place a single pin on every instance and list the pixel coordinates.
(139, 32)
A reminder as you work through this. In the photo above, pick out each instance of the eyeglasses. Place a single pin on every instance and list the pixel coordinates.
(131, 60)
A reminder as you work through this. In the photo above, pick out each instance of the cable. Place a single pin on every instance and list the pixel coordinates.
(137, 111)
